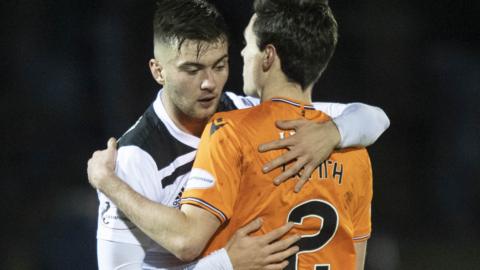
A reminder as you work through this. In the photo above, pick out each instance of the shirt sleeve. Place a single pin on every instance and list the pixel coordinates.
(137, 169)
(214, 180)
(115, 255)
(358, 124)
(362, 214)
(218, 260)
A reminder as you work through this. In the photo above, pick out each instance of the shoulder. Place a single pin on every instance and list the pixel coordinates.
(231, 121)
(150, 138)
(132, 157)
(239, 116)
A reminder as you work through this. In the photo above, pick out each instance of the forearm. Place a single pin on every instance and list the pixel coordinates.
(167, 226)
(360, 125)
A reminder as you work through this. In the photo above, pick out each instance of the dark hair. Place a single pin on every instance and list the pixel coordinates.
(180, 20)
(304, 33)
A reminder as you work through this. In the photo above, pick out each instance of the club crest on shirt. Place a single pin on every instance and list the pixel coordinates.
(216, 125)
(200, 179)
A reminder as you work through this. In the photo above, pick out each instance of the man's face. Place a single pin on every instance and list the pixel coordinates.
(194, 78)
(252, 61)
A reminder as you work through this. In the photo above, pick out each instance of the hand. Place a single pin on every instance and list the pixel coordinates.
(102, 164)
(261, 252)
(311, 144)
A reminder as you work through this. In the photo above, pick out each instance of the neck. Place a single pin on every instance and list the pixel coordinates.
(184, 122)
(279, 88)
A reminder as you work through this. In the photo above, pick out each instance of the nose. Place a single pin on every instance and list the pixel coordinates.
(208, 83)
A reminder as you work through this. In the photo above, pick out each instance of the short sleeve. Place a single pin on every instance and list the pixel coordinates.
(214, 180)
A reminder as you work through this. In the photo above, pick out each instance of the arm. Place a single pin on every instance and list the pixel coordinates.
(354, 124)
(358, 124)
(360, 253)
(246, 252)
(120, 242)
(116, 242)
(252, 252)
(184, 233)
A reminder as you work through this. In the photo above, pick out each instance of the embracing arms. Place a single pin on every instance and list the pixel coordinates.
(185, 233)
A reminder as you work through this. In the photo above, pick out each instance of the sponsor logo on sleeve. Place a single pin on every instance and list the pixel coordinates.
(200, 179)
(113, 218)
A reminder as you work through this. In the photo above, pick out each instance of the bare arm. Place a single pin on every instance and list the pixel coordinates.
(361, 252)
(184, 233)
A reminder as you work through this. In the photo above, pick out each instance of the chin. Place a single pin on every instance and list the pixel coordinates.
(206, 113)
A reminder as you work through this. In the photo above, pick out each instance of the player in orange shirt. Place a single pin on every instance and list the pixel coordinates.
(289, 44)
(332, 213)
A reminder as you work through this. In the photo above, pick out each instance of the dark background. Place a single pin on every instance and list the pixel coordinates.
(74, 73)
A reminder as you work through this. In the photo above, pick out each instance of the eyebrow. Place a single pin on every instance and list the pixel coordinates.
(200, 66)
(220, 59)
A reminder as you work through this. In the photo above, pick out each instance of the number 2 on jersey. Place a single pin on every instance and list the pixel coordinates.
(310, 243)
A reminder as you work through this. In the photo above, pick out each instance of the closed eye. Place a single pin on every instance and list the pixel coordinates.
(220, 67)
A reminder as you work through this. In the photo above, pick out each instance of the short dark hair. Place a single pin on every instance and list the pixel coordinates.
(304, 33)
(180, 20)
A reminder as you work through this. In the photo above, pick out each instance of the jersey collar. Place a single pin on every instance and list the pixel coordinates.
(182, 136)
(293, 102)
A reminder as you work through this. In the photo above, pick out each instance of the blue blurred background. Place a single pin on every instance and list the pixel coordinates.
(75, 72)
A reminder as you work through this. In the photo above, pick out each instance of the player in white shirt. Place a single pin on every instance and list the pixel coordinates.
(155, 155)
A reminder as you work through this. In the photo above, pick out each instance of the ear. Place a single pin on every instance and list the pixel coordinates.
(269, 55)
(157, 71)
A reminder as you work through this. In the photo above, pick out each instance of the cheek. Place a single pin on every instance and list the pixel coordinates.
(186, 85)
(255, 68)
(222, 78)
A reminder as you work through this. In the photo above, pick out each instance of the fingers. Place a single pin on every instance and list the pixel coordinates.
(250, 227)
(290, 172)
(112, 143)
(283, 255)
(278, 144)
(307, 173)
(277, 233)
(281, 245)
(282, 143)
(290, 124)
(281, 160)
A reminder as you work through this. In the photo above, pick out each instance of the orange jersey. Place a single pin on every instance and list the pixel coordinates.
(331, 212)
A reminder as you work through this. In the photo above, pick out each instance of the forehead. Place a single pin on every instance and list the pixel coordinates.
(201, 51)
